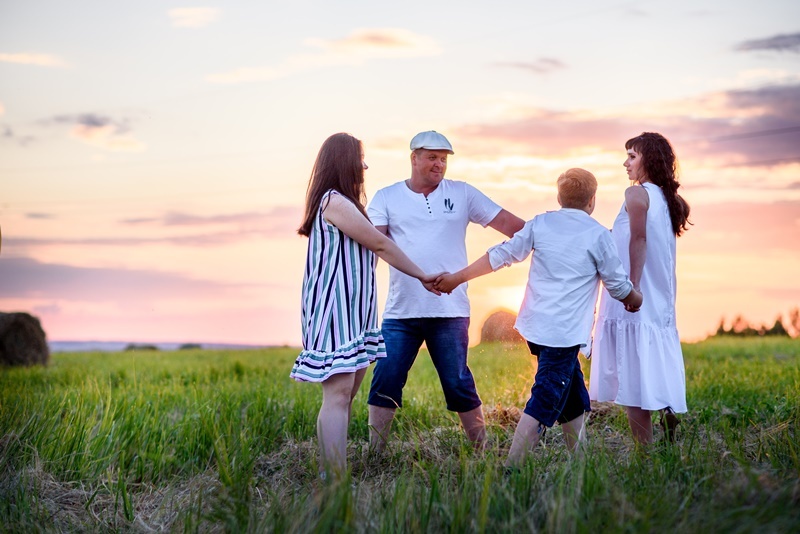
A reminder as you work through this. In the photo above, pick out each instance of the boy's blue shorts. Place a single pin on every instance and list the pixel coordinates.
(558, 392)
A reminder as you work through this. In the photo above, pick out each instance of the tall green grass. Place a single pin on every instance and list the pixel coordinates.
(208, 440)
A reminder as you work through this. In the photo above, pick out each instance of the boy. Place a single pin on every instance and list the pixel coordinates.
(572, 252)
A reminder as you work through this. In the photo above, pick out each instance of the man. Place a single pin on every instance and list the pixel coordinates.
(427, 216)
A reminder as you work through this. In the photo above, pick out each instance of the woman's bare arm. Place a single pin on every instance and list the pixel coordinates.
(341, 213)
(637, 203)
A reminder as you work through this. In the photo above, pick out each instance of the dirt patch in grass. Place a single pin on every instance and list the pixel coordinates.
(78, 506)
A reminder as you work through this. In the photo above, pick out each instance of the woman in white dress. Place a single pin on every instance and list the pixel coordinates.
(637, 360)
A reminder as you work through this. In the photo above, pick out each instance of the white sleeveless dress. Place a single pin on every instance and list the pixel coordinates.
(636, 357)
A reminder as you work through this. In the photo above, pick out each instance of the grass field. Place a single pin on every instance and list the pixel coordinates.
(225, 441)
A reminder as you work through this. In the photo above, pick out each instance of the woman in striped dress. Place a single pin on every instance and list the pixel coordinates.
(339, 312)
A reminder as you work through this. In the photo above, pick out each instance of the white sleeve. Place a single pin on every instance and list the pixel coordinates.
(610, 268)
(514, 250)
(377, 209)
(482, 209)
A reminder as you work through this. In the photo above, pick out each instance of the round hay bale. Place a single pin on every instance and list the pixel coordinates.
(499, 326)
(22, 340)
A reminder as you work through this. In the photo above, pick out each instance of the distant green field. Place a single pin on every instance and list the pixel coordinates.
(223, 440)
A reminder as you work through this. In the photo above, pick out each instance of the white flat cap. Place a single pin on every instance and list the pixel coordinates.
(431, 140)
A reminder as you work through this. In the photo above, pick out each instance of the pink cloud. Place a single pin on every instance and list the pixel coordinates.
(739, 127)
(279, 217)
(281, 222)
(27, 278)
(754, 227)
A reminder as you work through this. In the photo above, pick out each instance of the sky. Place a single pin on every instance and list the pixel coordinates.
(154, 155)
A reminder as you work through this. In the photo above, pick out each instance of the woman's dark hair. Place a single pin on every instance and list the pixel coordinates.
(661, 167)
(338, 166)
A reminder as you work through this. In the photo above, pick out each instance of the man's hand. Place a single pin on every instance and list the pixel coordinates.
(429, 282)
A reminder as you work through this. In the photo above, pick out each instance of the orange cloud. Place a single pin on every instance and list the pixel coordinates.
(379, 43)
(100, 131)
(360, 46)
(106, 137)
(41, 60)
(193, 17)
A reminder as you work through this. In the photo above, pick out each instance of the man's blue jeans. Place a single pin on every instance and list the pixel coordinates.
(447, 340)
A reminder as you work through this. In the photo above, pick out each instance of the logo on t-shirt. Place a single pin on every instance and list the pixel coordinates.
(448, 206)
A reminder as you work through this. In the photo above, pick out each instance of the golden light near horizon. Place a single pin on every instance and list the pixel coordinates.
(152, 186)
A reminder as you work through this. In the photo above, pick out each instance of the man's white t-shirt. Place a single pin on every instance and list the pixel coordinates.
(431, 231)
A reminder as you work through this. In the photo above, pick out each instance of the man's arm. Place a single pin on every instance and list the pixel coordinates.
(384, 229)
(507, 223)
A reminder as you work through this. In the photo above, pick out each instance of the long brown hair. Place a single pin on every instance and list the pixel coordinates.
(661, 167)
(338, 166)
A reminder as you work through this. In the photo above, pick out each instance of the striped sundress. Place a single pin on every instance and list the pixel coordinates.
(339, 310)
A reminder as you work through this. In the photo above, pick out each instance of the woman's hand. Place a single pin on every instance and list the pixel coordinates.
(429, 282)
(633, 302)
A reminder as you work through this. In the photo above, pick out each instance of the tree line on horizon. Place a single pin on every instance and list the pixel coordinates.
(499, 326)
(741, 327)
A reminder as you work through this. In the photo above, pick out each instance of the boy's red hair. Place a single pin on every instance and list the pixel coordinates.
(576, 187)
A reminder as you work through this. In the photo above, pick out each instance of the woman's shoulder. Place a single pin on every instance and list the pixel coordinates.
(335, 203)
(636, 193)
(334, 199)
(636, 198)
(636, 190)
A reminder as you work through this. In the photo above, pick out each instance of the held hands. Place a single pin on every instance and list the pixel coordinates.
(633, 302)
(447, 282)
(429, 282)
(443, 282)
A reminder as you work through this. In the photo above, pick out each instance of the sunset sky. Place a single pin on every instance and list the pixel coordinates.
(154, 155)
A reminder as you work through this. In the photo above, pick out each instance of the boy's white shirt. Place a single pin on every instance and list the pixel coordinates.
(572, 252)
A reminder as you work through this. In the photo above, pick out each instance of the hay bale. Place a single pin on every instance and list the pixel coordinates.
(499, 326)
(22, 340)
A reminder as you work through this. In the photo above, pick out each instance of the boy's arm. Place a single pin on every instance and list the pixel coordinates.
(613, 274)
(447, 282)
(514, 250)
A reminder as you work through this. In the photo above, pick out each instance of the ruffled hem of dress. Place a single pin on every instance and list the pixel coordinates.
(665, 371)
(317, 366)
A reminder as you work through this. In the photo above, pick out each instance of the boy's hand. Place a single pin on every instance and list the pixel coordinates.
(447, 282)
